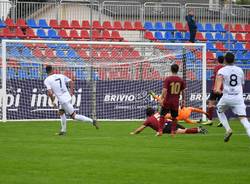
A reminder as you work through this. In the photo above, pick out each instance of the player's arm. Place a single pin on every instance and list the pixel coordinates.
(218, 84)
(138, 130)
(50, 92)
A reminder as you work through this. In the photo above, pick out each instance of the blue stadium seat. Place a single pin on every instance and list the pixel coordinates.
(32, 23)
(41, 33)
(71, 54)
(239, 46)
(43, 24)
(179, 36)
(53, 46)
(80, 74)
(187, 36)
(219, 54)
(2, 24)
(209, 27)
(60, 53)
(247, 56)
(34, 73)
(11, 73)
(169, 36)
(14, 52)
(26, 52)
(230, 46)
(219, 37)
(22, 74)
(52, 34)
(158, 35)
(209, 37)
(219, 27)
(149, 26)
(200, 27)
(169, 26)
(239, 56)
(159, 26)
(210, 47)
(229, 36)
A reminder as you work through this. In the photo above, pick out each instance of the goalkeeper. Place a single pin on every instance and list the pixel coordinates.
(184, 113)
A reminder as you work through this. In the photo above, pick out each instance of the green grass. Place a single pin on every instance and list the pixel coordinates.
(30, 153)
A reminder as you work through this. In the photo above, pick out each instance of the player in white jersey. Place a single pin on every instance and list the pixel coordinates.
(232, 78)
(56, 85)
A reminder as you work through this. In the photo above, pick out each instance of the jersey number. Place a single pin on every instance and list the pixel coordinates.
(60, 82)
(233, 80)
(175, 88)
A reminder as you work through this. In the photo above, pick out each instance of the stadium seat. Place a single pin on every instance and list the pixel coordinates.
(22, 74)
(229, 27)
(54, 24)
(19, 33)
(187, 36)
(83, 54)
(247, 56)
(138, 26)
(80, 74)
(37, 52)
(179, 27)
(52, 34)
(128, 25)
(239, 56)
(219, 28)
(65, 24)
(2, 24)
(247, 28)
(200, 37)
(159, 36)
(229, 36)
(63, 34)
(238, 28)
(30, 33)
(116, 35)
(107, 25)
(104, 54)
(219, 54)
(117, 25)
(71, 54)
(220, 46)
(247, 37)
(10, 23)
(26, 52)
(41, 33)
(14, 52)
(116, 55)
(210, 55)
(43, 24)
(85, 34)
(75, 24)
(169, 36)
(239, 46)
(149, 35)
(210, 47)
(74, 34)
(179, 36)
(209, 27)
(209, 37)
(247, 46)
(60, 53)
(169, 26)
(239, 37)
(230, 47)
(96, 35)
(200, 27)
(149, 26)
(219, 37)
(85, 24)
(21, 23)
(106, 35)
(6, 33)
(97, 25)
(159, 27)
(32, 23)
(95, 54)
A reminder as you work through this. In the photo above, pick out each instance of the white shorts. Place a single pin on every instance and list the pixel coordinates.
(67, 107)
(233, 102)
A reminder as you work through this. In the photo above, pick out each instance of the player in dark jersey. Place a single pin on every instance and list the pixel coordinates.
(173, 86)
(213, 97)
(152, 122)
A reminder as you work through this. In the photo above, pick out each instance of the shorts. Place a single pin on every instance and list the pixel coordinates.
(167, 128)
(68, 108)
(214, 96)
(165, 110)
(233, 102)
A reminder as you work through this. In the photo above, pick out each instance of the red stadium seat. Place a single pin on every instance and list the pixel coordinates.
(30, 33)
(19, 33)
(106, 34)
(149, 35)
(247, 46)
(96, 35)
(37, 52)
(21, 23)
(227, 26)
(74, 46)
(85, 24)
(210, 55)
(138, 26)
(200, 37)
(54, 24)
(85, 34)
(247, 37)
(7, 33)
(107, 25)
(239, 37)
(63, 34)
(9, 23)
(220, 46)
(74, 34)
(65, 24)
(238, 28)
(97, 25)
(75, 24)
(179, 27)
(95, 54)
(128, 25)
(104, 54)
(49, 53)
(116, 36)
(247, 28)
(116, 55)
(117, 25)
(83, 54)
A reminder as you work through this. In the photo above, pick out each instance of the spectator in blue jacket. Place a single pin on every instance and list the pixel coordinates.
(192, 25)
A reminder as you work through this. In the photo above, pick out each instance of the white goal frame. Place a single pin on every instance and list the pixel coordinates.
(3, 96)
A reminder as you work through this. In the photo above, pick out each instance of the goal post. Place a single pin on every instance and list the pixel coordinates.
(112, 79)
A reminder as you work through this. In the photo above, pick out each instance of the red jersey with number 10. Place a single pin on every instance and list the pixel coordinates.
(174, 85)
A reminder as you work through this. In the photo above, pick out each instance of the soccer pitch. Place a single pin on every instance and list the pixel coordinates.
(32, 154)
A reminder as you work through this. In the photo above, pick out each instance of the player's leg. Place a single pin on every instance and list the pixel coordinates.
(174, 114)
(211, 107)
(163, 112)
(63, 122)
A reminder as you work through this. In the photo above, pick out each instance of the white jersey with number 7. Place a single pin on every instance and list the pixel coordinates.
(233, 79)
(57, 83)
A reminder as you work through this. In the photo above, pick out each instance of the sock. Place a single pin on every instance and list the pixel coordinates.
(192, 131)
(173, 127)
(162, 122)
(210, 113)
(63, 123)
(83, 118)
(246, 124)
(223, 119)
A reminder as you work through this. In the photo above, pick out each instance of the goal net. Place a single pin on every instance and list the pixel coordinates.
(112, 79)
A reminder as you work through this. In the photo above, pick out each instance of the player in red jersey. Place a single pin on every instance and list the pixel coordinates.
(152, 122)
(173, 86)
(213, 97)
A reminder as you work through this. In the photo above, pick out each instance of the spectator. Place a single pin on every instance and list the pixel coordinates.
(192, 25)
